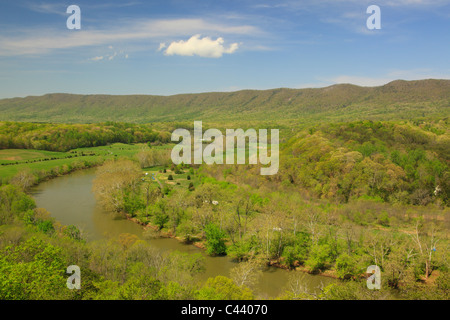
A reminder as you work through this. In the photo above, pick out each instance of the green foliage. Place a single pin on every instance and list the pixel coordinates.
(33, 270)
(384, 219)
(296, 250)
(160, 217)
(244, 249)
(346, 266)
(133, 202)
(354, 290)
(319, 257)
(13, 203)
(46, 226)
(223, 288)
(395, 100)
(64, 137)
(73, 232)
(215, 243)
(395, 162)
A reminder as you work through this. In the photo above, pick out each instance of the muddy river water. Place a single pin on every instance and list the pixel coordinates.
(70, 200)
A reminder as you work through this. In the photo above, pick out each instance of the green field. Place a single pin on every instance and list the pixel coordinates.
(13, 161)
(21, 155)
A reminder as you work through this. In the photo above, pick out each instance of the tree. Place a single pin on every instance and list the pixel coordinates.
(215, 243)
(346, 266)
(113, 180)
(176, 206)
(297, 288)
(223, 288)
(247, 273)
(24, 179)
(34, 270)
(14, 203)
(319, 257)
(425, 247)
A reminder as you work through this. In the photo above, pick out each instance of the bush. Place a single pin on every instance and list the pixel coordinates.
(215, 243)
(346, 266)
(133, 203)
(242, 250)
(384, 219)
(223, 288)
(46, 226)
(73, 232)
(170, 177)
(289, 256)
(319, 257)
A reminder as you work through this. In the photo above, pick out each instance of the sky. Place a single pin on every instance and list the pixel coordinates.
(190, 46)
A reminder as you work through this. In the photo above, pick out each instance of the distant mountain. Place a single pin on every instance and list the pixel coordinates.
(396, 100)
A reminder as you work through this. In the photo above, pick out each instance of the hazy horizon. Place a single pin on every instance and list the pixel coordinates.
(184, 93)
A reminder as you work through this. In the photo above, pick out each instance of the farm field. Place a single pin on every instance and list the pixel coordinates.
(13, 161)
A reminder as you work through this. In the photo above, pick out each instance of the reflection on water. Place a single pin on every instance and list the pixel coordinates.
(70, 200)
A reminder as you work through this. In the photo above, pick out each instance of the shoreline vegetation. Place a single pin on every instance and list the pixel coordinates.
(201, 245)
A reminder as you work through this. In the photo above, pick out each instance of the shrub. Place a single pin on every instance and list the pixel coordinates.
(319, 257)
(215, 243)
(345, 266)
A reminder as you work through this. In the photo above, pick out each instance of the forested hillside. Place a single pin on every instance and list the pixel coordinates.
(63, 137)
(396, 100)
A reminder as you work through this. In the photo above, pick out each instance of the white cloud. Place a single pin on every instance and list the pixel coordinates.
(203, 47)
(49, 8)
(161, 46)
(110, 57)
(25, 42)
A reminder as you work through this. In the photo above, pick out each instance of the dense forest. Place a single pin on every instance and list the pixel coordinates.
(63, 137)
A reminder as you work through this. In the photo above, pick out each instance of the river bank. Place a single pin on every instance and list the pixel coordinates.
(200, 244)
(70, 200)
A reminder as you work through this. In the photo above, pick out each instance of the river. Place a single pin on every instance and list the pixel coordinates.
(70, 200)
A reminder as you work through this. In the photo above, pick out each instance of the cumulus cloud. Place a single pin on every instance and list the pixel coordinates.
(203, 47)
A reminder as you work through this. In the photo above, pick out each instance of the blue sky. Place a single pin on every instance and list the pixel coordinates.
(183, 46)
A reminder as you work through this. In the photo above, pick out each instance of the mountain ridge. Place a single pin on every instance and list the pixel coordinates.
(431, 97)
